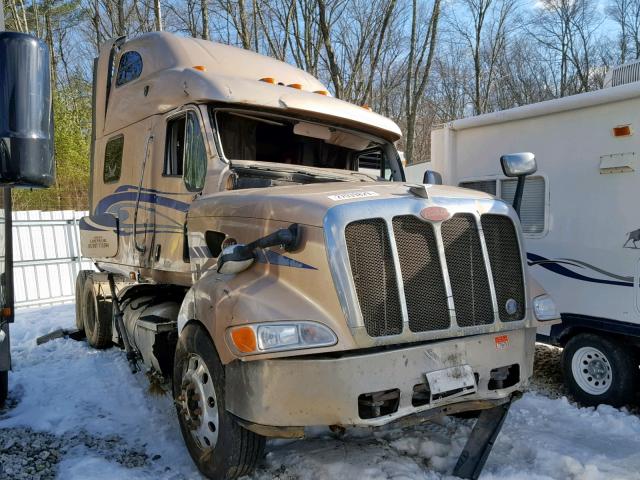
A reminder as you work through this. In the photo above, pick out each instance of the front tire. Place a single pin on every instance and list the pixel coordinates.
(218, 445)
(599, 370)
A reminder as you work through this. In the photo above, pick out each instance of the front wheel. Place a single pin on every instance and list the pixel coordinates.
(599, 370)
(219, 446)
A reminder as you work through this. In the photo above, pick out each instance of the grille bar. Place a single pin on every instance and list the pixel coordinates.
(374, 275)
(506, 269)
(423, 282)
(467, 271)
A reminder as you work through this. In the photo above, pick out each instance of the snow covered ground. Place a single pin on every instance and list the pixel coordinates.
(111, 427)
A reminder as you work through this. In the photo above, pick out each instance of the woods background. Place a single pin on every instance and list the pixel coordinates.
(419, 62)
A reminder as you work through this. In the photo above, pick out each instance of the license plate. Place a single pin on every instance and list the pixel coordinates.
(451, 382)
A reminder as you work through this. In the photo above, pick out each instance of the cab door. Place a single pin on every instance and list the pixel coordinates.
(179, 170)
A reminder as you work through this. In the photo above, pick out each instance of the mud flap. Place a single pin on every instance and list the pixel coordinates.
(480, 442)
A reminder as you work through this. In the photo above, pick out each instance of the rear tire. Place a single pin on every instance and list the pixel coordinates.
(97, 314)
(599, 370)
(218, 445)
(80, 281)
(4, 387)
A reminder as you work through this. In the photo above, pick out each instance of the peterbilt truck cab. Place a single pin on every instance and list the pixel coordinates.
(259, 251)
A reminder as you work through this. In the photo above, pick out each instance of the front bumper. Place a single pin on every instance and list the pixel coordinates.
(300, 392)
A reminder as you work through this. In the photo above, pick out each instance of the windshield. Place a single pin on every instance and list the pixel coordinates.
(248, 137)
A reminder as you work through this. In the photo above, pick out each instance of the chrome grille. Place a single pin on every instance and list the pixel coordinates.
(397, 262)
(467, 271)
(424, 288)
(504, 258)
(374, 276)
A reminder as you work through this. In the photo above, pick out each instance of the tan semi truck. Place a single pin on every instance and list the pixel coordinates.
(258, 248)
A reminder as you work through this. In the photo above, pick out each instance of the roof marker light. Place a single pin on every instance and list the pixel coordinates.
(297, 86)
(270, 80)
(321, 92)
(622, 131)
(202, 68)
(367, 107)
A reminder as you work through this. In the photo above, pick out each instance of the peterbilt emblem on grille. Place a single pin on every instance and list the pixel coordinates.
(511, 306)
(435, 214)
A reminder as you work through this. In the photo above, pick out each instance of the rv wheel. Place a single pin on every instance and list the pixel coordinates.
(599, 370)
(80, 281)
(218, 445)
(97, 315)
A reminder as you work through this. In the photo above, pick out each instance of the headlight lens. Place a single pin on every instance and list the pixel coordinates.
(275, 337)
(545, 308)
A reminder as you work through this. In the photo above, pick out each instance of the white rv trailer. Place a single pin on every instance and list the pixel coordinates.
(580, 217)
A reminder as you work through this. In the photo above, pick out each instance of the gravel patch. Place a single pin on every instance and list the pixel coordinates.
(26, 454)
(547, 372)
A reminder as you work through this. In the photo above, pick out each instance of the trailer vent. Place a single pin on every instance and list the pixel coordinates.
(622, 74)
(424, 289)
(374, 275)
(504, 258)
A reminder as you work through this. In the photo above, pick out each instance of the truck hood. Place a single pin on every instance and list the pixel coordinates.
(308, 204)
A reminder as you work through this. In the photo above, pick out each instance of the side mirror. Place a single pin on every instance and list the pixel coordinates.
(432, 177)
(235, 259)
(26, 119)
(518, 165)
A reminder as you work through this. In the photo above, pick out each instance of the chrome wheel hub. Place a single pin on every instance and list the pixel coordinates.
(198, 404)
(591, 370)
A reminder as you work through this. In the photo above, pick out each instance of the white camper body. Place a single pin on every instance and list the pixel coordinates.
(580, 210)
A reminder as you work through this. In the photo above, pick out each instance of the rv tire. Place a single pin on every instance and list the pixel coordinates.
(80, 281)
(97, 315)
(233, 451)
(599, 369)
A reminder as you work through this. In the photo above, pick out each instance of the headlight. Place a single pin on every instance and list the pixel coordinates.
(545, 308)
(277, 337)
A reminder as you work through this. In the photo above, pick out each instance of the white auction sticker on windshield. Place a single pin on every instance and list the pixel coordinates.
(352, 195)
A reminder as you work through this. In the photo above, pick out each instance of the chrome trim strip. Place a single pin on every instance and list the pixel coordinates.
(487, 262)
(437, 226)
(399, 280)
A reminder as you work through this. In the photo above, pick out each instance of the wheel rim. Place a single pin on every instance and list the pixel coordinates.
(198, 403)
(592, 370)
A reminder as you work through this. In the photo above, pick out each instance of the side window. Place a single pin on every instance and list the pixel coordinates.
(129, 68)
(374, 162)
(185, 152)
(532, 211)
(195, 155)
(113, 159)
(486, 186)
(174, 148)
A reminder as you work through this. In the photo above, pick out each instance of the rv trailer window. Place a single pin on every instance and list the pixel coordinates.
(486, 186)
(195, 155)
(532, 211)
(113, 159)
(129, 69)
(174, 148)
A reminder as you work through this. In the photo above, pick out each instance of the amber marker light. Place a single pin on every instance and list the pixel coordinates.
(244, 339)
(270, 80)
(6, 312)
(622, 131)
(367, 107)
(201, 68)
(297, 86)
(322, 92)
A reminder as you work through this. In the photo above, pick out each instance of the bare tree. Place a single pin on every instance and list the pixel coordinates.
(422, 45)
